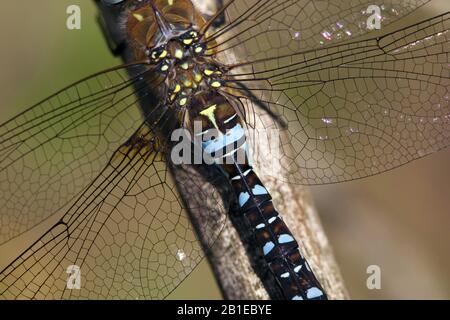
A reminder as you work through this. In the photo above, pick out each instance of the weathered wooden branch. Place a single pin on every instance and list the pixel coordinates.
(239, 268)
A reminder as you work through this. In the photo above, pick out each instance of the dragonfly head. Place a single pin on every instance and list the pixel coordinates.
(154, 23)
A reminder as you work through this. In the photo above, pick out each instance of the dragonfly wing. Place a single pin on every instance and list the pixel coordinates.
(355, 109)
(258, 29)
(51, 151)
(128, 235)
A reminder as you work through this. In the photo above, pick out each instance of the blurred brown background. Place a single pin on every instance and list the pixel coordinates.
(398, 220)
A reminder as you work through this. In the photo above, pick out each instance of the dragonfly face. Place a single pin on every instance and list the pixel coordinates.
(352, 107)
(151, 24)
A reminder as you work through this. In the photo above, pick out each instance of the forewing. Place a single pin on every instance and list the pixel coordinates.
(257, 29)
(356, 109)
(51, 151)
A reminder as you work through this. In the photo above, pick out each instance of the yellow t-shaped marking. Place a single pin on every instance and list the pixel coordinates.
(209, 112)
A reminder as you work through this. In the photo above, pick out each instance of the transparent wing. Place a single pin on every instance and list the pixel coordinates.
(127, 236)
(257, 29)
(50, 152)
(357, 108)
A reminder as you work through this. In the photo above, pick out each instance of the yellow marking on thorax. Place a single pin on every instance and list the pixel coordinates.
(163, 54)
(178, 54)
(198, 77)
(183, 101)
(209, 113)
(187, 83)
(185, 66)
(216, 84)
(138, 17)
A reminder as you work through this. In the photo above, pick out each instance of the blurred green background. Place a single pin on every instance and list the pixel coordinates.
(398, 220)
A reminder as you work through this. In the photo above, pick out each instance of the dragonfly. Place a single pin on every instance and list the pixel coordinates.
(347, 102)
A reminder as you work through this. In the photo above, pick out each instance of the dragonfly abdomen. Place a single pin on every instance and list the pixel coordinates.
(228, 148)
(278, 245)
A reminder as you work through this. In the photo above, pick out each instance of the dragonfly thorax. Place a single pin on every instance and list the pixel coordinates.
(171, 36)
(185, 68)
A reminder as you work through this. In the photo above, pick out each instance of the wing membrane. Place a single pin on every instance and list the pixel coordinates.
(259, 29)
(359, 108)
(128, 233)
(51, 151)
